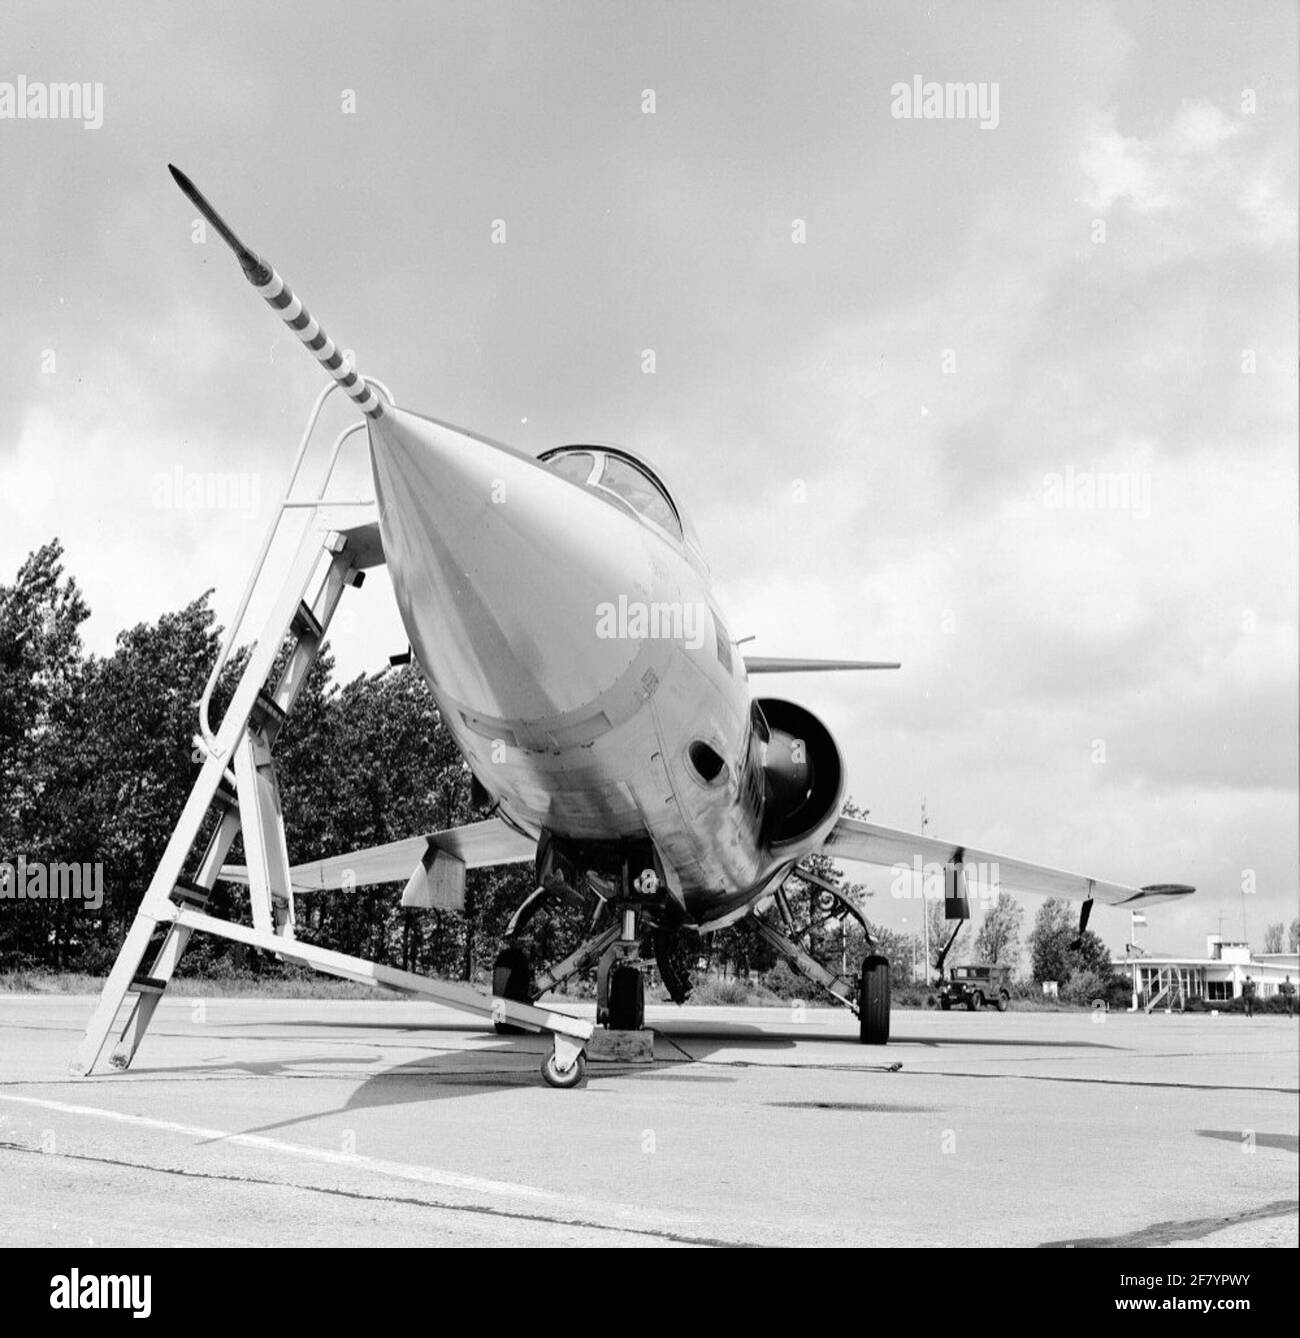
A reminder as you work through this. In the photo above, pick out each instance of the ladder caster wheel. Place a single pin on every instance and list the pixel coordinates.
(555, 1078)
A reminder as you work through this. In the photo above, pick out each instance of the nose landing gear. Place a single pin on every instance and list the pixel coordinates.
(620, 985)
(615, 952)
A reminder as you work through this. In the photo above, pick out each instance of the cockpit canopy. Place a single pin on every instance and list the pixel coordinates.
(622, 480)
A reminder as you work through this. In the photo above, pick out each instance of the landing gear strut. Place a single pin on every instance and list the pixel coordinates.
(512, 975)
(614, 949)
(868, 996)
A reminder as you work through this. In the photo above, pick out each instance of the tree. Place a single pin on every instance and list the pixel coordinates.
(41, 681)
(40, 672)
(1273, 937)
(938, 927)
(1059, 952)
(127, 765)
(998, 941)
(1293, 936)
(1049, 940)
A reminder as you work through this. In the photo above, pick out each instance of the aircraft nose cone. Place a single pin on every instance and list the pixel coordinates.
(499, 566)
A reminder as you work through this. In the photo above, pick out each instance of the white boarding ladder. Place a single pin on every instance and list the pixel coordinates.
(237, 786)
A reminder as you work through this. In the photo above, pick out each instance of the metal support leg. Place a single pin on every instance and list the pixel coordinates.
(577, 961)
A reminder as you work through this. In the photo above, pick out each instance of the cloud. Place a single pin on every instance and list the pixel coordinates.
(1204, 173)
(1026, 631)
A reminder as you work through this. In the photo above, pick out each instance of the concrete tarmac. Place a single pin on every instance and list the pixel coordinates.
(313, 1122)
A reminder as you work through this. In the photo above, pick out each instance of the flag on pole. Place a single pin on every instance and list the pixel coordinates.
(1138, 919)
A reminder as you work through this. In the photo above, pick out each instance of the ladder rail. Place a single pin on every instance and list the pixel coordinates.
(175, 940)
(156, 903)
(229, 639)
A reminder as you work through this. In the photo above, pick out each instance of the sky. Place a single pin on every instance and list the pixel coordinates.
(1010, 399)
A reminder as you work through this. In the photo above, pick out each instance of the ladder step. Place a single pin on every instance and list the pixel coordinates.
(306, 623)
(271, 712)
(148, 985)
(186, 893)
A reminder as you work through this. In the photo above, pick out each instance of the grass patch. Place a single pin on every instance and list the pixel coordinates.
(708, 993)
(189, 987)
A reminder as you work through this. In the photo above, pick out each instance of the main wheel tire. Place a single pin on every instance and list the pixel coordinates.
(512, 979)
(1004, 1001)
(553, 1076)
(975, 1001)
(873, 1001)
(626, 999)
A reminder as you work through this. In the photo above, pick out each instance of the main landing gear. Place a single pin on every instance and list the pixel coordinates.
(868, 996)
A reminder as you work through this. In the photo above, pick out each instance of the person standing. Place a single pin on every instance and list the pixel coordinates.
(1248, 993)
(1288, 996)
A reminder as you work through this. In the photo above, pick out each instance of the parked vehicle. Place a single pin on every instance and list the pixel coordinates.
(976, 986)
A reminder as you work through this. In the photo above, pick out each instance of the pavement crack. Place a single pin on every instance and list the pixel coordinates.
(483, 1210)
(1165, 1233)
(1112, 1082)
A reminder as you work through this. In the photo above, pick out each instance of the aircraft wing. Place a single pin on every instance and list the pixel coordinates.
(477, 845)
(770, 664)
(866, 843)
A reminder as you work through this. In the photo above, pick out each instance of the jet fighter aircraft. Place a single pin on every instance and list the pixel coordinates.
(561, 611)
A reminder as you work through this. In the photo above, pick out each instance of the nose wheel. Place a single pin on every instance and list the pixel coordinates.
(620, 984)
(626, 1008)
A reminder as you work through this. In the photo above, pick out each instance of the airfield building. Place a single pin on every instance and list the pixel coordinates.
(1165, 982)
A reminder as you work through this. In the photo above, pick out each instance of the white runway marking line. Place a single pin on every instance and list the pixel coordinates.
(401, 1170)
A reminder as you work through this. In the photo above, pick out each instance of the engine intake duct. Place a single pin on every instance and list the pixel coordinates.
(803, 773)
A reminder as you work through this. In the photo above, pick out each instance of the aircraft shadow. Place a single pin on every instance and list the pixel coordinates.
(513, 1061)
(684, 1028)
